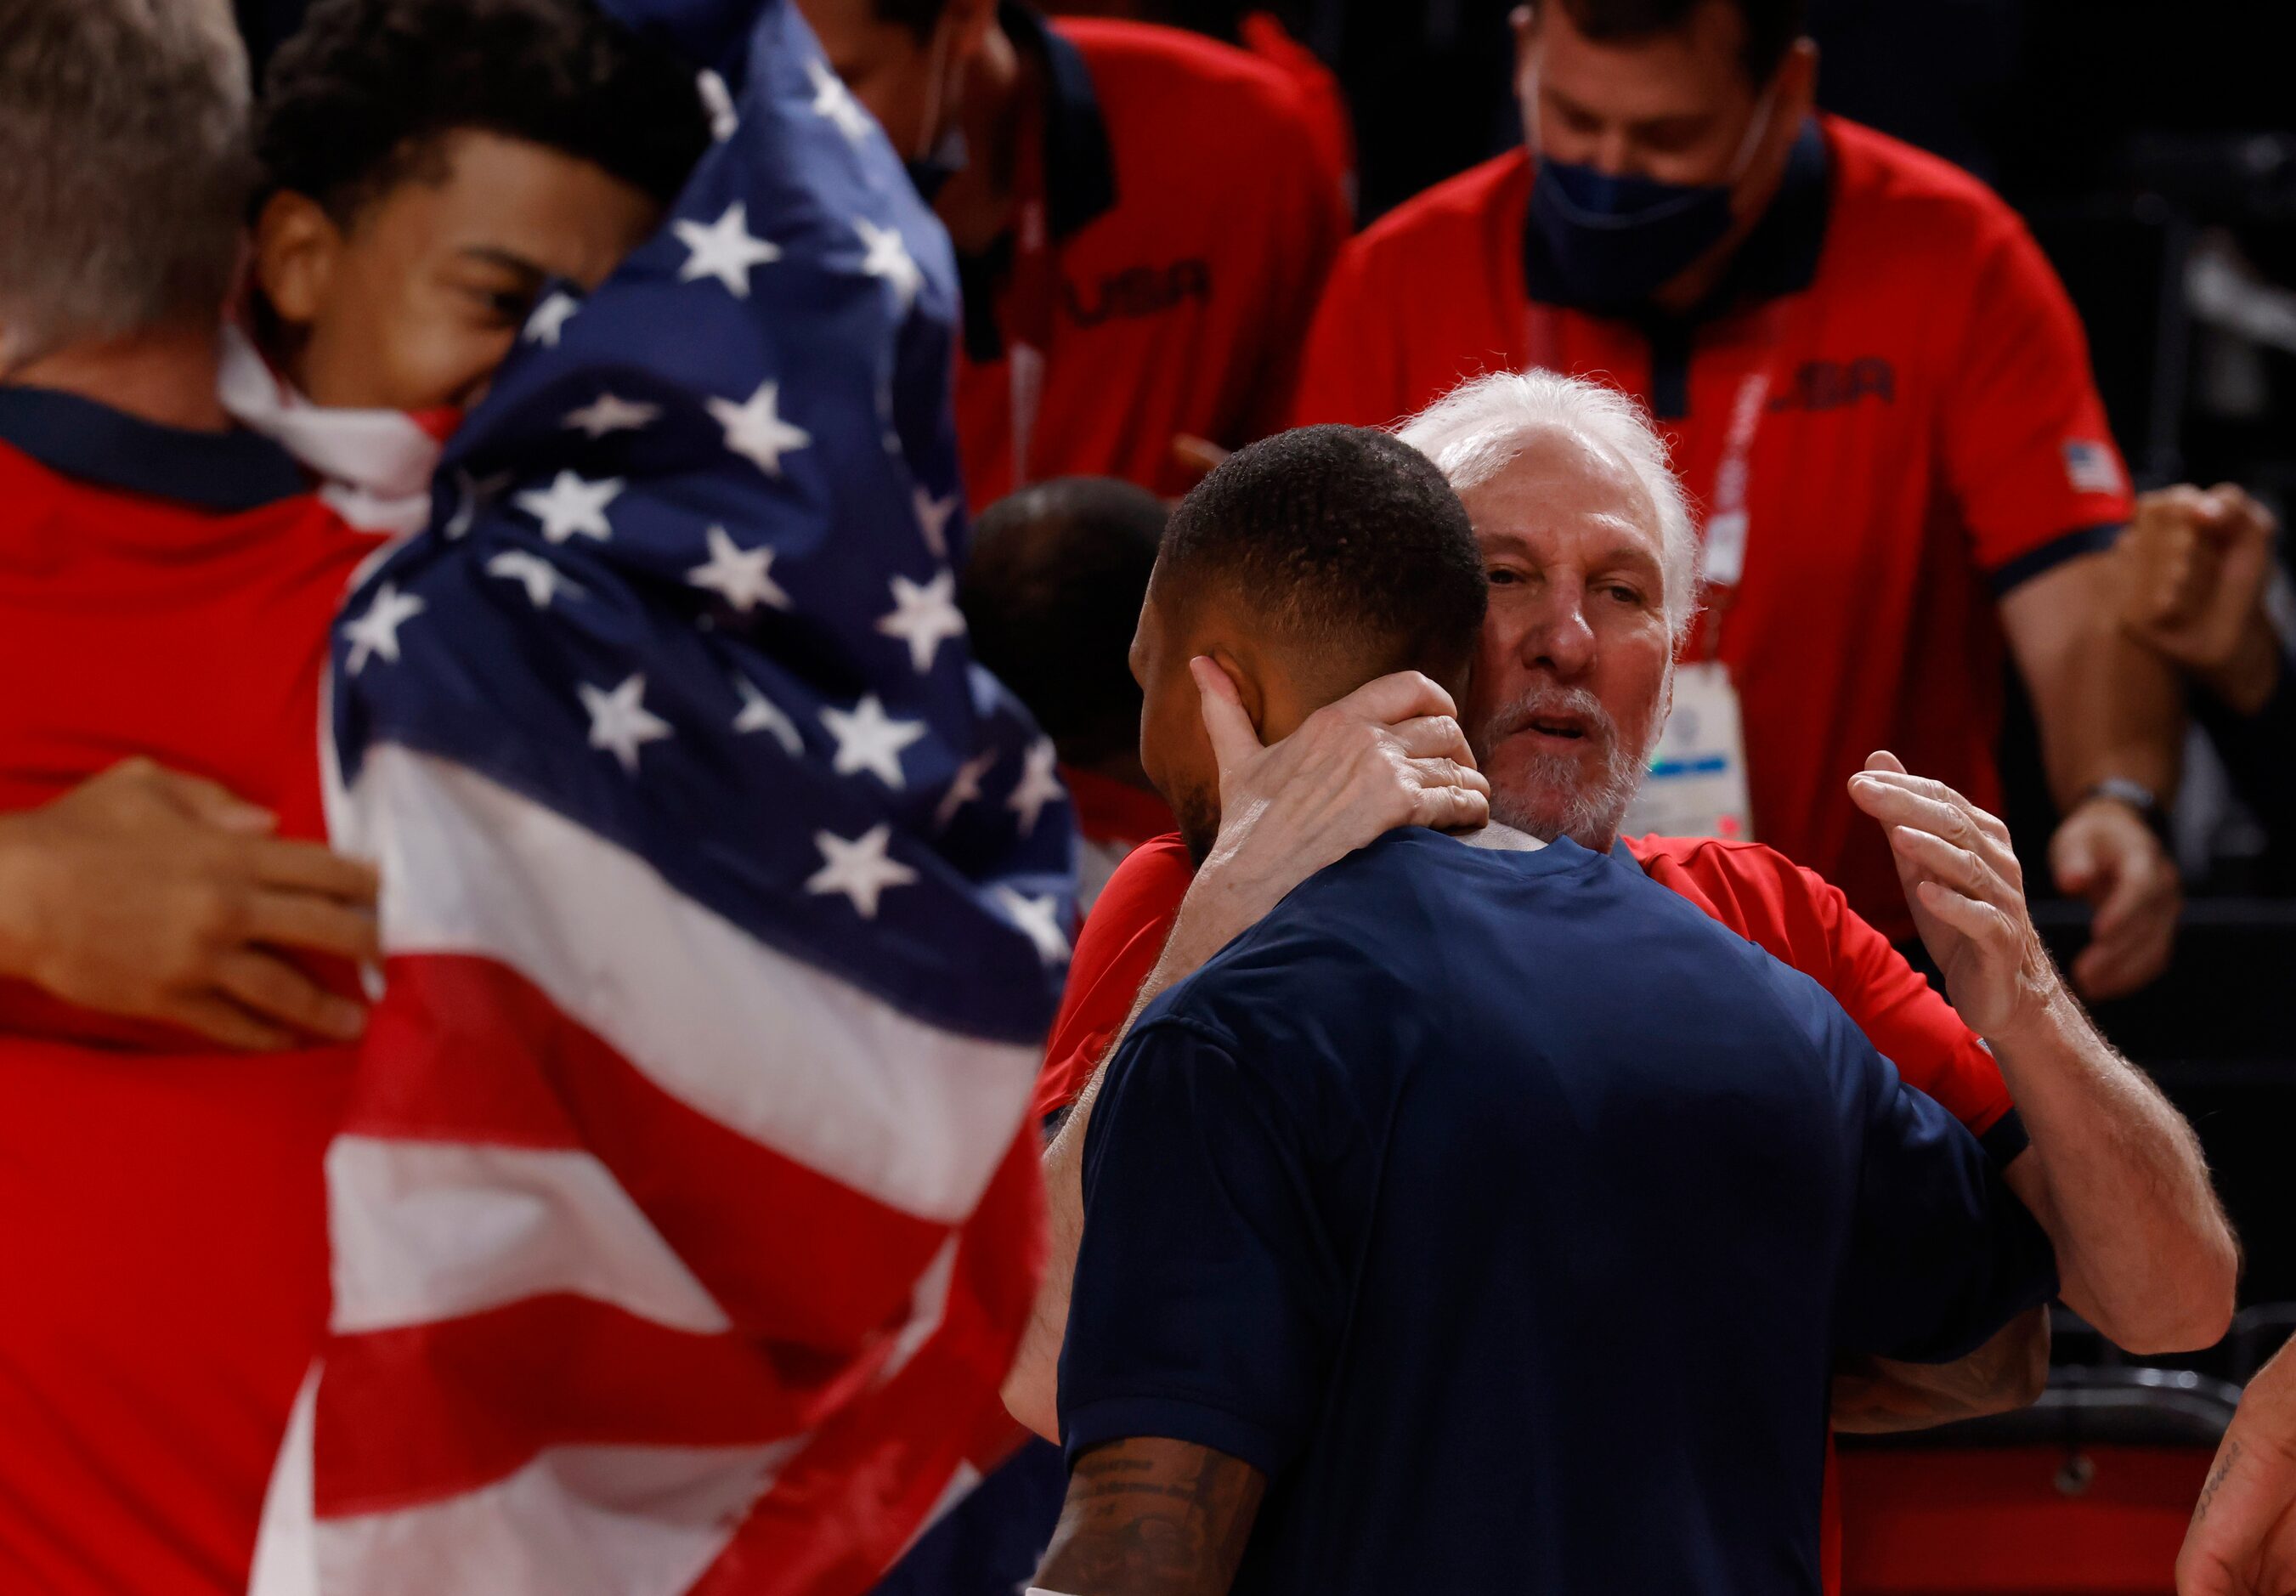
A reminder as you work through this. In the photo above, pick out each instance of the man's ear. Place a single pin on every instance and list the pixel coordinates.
(297, 248)
(972, 19)
(1249, 691)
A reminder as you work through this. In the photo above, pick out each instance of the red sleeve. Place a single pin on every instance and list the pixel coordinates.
(1348, 373)
(1800, 918)
(1115, 950)
(2029, 456)
(1906, 1018)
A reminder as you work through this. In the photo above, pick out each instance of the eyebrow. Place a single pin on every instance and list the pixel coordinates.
(504, 258)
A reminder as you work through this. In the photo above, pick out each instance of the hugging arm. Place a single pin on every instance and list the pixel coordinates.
(1147, 1516)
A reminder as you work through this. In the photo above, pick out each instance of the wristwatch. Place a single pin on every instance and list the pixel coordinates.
(2136, 796)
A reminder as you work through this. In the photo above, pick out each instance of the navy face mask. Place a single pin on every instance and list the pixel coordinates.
(1612, 241)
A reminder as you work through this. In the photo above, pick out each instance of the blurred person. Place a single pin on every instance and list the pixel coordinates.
(719, 886)
(1051, 592)
(2195, 574)
(1880, 399)
(2243, 1539)
(176, 980)
(1338, 1180)
(427, 168)
(1143, 221)
(1586, 542)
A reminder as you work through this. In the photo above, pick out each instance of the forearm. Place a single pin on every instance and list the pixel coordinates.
(18, 931)
(2105, 704)
(1151, 1518)
(2117, 1178)
(1879, 1396)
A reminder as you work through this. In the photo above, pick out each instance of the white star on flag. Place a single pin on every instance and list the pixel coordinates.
(542, 580)
(376, 632)
(619, 721)
(1039, 918)
(761, 713)
(549, 319)
(933, 520)
(1038, 785)
(833, 100)
(859, 868)
(725, 249)
(572, 505)
(868, 739)
(756, 430)
(888, 258)
(740, 576)
(963, 787)
(610, 413)
(717, 101)
(924, 616)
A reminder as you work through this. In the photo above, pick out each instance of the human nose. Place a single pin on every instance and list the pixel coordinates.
(1559, 637)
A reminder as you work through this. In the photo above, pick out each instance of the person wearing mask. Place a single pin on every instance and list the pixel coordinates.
(1398, 1206)
(1051, 593)
(1137, 212)
(1880, 397)
(1588, 545)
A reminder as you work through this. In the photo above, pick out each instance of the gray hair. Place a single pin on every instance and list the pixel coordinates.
(1474, 431)
(124, 167)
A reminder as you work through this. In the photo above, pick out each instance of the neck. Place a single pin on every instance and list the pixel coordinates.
(1503, 839)
(976, 204)
(165, 375)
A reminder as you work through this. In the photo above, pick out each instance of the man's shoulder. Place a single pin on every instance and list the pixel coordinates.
(1458, 213)
(1917, 204)
(1144, 72)
(1752, 875)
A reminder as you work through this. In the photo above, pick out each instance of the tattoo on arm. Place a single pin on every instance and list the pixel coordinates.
(2216, 1478)
(1878, 1397)
(1152, 1517)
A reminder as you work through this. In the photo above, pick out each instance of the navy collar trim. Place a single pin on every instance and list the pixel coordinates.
(1625, 856)
(75, 436)
(1080, 161)
(1778, 257)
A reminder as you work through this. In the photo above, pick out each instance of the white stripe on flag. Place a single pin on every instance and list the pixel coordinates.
(801, 1062)
(425, 1230)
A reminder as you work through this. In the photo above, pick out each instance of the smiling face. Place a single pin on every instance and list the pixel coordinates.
(1575, 673)
(413, 302)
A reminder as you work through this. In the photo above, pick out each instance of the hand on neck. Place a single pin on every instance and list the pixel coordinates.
(166, 376)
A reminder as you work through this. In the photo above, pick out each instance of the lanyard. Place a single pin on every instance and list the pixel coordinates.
(1724, 535)
(1035, 286)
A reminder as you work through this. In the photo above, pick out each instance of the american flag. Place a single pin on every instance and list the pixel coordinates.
(685, 1217)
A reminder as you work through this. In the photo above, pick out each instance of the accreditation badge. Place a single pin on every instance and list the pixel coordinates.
(1696, 784)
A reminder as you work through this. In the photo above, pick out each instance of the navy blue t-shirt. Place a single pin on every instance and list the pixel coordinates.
(1508, 1213)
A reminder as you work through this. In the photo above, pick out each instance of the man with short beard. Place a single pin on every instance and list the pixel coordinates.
(1588, 548)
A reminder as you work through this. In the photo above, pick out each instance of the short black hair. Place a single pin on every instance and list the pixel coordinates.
(1052, 593)
(1345, 540)
(1772, 26)
(360, 96)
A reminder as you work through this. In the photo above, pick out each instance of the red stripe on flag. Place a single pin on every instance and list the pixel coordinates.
(464, 1048)
(845, 1507)
(414, 1415)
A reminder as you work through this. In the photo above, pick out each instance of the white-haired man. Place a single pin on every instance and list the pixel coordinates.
(1587, 546)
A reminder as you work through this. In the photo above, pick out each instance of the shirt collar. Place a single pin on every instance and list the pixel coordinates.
(1626, 856)
(1080, 161)
(1778, 257)
(227, 472)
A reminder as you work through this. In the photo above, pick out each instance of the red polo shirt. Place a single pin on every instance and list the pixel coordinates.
(1193, 219)
(166, 594)
(1932, 438)
(1755, 891)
